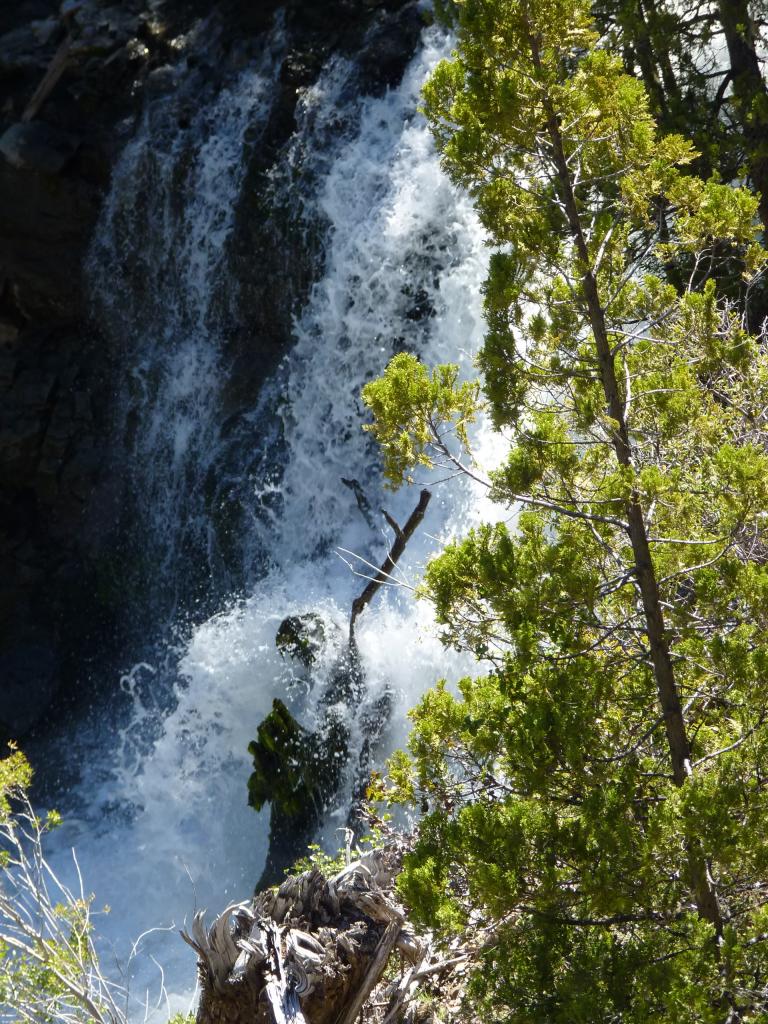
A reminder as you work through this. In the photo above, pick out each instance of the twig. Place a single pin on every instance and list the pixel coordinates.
(50, 929)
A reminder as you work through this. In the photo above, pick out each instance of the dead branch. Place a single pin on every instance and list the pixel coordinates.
(402, 536)
(55, 70)
(375, 971)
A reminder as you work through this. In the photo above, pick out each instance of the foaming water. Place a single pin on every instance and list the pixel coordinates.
(158, 276)
(169, 828)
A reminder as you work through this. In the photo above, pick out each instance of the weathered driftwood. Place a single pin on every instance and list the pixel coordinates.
(310, 952)
(402, 536)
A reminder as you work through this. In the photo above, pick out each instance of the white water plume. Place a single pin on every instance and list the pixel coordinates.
(157, 272)
(404, 260)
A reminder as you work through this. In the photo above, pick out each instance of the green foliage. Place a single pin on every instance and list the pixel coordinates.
(316, 857)
(446, 11)
(662, 44)
(48, 966)
(413, 409)
(701, 68)
(15, 777)
(298, 773)
(331, 863)
(617, 887)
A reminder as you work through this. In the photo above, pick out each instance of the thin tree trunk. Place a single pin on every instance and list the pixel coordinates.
(678, 744)
(749, 91)
(645, 59)
(671, 86)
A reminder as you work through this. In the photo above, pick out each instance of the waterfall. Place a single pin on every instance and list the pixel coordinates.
(161, 289)
(161, 823)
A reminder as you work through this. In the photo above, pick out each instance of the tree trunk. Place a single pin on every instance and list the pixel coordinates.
(704, 892)
(749, 92)
(645, 59)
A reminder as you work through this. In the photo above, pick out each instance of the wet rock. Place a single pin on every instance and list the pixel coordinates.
(298, 773)
(9, 334)
(115, 23)
(35, 146)
(45, 223)
(301, 637)
(55, 380)
(50, 462)
(28, 671)
(389, 46)
(160, 81)
(381, 40)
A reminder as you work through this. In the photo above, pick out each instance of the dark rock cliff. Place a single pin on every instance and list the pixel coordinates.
(74, 79)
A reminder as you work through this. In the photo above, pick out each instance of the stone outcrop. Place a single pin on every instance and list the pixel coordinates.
(54, 380)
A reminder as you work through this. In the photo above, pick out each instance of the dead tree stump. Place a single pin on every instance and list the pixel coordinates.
(308, 952)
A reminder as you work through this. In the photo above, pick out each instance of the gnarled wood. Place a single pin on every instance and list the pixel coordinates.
(308, 952)
(373, 974)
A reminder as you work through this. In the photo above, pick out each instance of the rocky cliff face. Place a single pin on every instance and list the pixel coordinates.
(75, 78)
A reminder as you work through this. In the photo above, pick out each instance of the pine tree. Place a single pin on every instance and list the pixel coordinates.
(701, 70)
(597, 799)
(749, 92)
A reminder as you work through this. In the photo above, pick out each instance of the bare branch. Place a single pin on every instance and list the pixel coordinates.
(398, 547)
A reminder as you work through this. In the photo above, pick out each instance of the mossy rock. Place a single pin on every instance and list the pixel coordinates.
(298, 772)
(294, 769)
(302, 637)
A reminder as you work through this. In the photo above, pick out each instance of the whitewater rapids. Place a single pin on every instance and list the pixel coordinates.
(163, 827)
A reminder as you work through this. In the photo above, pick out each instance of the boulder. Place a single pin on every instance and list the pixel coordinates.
(35, 146)
(302, 637)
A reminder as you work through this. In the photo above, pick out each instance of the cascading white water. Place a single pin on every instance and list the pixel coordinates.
(157, 271)
(404, 261)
